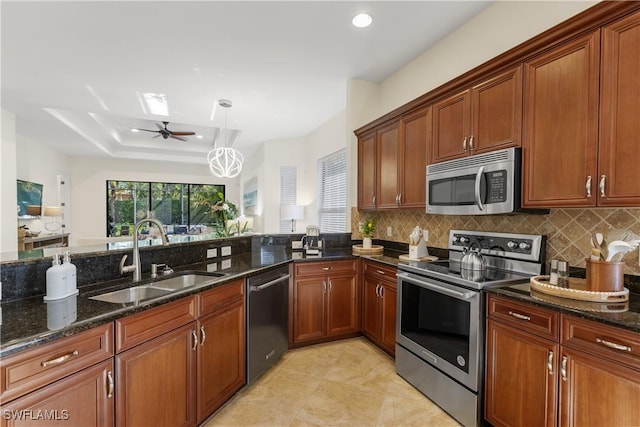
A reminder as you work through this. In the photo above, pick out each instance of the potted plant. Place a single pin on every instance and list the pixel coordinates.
(367, 228)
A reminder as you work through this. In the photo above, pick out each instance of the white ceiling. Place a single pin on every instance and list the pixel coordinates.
(72, 72)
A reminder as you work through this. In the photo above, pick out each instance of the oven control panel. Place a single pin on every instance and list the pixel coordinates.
(520, 246)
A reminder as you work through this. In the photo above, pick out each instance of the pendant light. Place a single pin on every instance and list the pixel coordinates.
(225, 162)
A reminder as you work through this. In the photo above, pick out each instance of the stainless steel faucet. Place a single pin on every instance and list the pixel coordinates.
(135, 263)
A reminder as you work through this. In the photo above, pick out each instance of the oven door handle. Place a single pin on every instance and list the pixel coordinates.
(425, 283)
(477, 189)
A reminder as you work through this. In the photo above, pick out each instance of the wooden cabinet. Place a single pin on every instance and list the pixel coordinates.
(586, 375)
(156, 366)
(561, 125)
(618, 147)
(484, 118)
(69, 379)
(221, 358)
(379, 305)
(392, 163)
(326, 300)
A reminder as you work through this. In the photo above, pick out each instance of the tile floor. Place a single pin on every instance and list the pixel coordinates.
(343, 383)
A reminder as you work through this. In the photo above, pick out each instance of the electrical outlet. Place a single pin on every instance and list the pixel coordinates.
(389, 231)
(296, 244)
(225, 264)
(212, 267)
(212, 253)
(226, 250)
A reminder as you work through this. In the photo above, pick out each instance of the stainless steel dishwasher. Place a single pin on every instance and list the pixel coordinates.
(267, 318)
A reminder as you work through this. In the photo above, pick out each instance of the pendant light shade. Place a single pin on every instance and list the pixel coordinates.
(225, 162)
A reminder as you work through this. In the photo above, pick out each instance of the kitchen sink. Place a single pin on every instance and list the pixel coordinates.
(135, 294)
(185, 281)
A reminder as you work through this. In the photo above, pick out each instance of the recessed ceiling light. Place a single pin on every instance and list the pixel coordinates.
(362, 20)
(135, 130)
(199, 136)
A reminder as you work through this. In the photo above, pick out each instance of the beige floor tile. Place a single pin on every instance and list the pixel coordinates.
(342, 383)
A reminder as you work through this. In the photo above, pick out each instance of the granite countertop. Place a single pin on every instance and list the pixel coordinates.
(624, 315)
(29, 322)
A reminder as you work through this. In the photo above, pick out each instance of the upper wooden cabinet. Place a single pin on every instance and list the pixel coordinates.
(484, 118)
(619, 150)
(561, 125)
(392, 163)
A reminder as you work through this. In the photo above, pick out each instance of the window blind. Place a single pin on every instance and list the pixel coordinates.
(332, 192)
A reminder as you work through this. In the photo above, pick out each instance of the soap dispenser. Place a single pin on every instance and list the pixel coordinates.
(71, 273)
(56, 280)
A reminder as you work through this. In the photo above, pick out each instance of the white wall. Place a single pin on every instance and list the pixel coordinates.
(254, 167)
(89, 194)
(8, 213)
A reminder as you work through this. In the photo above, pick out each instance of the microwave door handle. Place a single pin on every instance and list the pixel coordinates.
(478, 182)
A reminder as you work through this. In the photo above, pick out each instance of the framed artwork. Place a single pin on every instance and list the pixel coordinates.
(250, 196)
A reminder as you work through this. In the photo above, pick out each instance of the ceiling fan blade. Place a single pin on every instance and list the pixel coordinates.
(179, 138)
(183, 133)
(148, 130)
(157, 136)
(160, 126)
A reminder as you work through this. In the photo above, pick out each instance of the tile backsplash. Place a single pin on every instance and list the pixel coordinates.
(568, 231)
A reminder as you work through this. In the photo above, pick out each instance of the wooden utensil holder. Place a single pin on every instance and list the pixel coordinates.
(604, 276)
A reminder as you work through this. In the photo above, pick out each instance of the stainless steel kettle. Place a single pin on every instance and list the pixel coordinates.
(472, 264)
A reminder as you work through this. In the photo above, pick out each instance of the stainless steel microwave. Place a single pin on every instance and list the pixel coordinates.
(483, 184)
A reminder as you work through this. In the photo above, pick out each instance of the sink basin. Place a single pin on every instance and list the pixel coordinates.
(135, 294)
(185, 281)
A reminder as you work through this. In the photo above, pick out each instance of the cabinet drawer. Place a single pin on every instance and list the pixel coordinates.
(378, 271)
(526, 317)
(325, 268)
(31, 369)
(220, 297)
(620, 345)
(141, 327)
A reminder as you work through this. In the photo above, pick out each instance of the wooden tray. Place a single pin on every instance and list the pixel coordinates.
(405, 257)
(576, 290)
(375, 250)
(594, 307)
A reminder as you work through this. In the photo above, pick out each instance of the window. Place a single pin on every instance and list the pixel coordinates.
(181, 207)
(288, 193)
(332, 192)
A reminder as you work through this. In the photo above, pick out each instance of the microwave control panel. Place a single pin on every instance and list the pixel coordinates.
(496, 186)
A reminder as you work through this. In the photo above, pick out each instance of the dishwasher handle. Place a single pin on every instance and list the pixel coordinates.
(259, 288)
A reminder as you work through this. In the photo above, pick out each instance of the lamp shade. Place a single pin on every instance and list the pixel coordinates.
(291, 212)
(52, 211)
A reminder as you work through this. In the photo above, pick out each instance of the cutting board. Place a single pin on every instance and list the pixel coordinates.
(405, 257)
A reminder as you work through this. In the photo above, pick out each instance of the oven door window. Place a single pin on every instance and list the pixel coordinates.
(456, 191)
(437, 322)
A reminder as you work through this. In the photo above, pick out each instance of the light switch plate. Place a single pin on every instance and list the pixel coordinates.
(389, 231)
(212, 253)
(225, 264)
(212, 267)
(226, 250)
(296, 244)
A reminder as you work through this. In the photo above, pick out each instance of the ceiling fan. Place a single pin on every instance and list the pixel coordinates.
(166, 133)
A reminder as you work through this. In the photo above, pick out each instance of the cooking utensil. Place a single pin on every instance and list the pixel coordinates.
(617, 249)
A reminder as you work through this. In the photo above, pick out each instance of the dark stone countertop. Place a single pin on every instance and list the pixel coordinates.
(25, 323)
(624, 315)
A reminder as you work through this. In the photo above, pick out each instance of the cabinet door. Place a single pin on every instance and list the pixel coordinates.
(156, 381)
(451, 127)
(221, 358)
(388, 317)
(370, 303)
(342, 305)
(367, 172)
(415, 134)
(82, 399)
(619, 150)
(561, 125)
(496, 113)
(309, 309)
(596, 392)
(521, 378)
(387, 167)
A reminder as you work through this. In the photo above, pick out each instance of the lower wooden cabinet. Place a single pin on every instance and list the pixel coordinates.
(83, 399)
(379, 305)
(326, 300)
(582, 373)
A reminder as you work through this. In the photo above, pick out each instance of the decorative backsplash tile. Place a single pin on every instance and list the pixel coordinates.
(568, 231)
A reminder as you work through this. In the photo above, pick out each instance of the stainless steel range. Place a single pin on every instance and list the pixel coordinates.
(440, 316)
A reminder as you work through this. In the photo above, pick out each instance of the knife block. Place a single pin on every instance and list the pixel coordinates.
(418, 251)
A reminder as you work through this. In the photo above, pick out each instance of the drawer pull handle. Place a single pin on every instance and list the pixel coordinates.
(519, 316)
(59, 360)
(203, 335)
(563, 368)
(327, 268)
(380, 272)
(613, 345)
(550, 363)
(111, 385)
